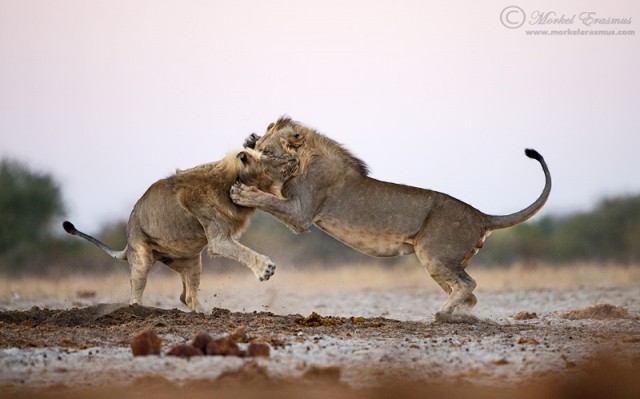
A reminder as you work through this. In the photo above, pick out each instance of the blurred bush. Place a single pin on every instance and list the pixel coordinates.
(30, 203)
(608, 233)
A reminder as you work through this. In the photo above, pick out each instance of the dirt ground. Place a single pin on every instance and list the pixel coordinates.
(344, 340)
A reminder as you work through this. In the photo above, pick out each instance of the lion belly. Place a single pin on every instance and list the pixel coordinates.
(374, 217)
(374, 243)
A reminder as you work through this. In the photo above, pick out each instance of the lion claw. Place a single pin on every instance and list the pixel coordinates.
(268, 272)
(236, 193)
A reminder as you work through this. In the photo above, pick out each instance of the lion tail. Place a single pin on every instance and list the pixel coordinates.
(501, 222)
(71, 229)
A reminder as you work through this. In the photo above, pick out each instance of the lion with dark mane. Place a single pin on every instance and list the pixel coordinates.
(333, 191)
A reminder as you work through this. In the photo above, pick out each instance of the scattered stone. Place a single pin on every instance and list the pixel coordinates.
(500, 362)
(258, 349)
(315, 320)
(271, 341)
(201, 340)
(525, 316)
(146, 343)
(223, 347)
(185, 351)
(220, 313)
(239, 335)
(528, 341)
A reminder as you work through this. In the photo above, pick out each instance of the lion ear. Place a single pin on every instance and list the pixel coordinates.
(242, 156)
(294, 141)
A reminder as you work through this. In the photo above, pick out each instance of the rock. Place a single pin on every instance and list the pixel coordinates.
(315, 320)
(528, 341)
(146, 343)
(239, 335)
(201, 340)
(525, 316)
(183, 350)
(259, 349)
(223, 347)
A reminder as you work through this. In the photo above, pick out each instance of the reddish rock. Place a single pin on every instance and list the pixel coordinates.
(223, 347)
(239, 335)
(146, 343)
(259, 349)
(201, 340)
(183, 350)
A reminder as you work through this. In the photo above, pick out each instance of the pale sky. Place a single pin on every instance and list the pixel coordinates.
(110, 96)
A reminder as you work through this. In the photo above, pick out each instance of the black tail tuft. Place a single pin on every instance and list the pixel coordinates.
(69, 227)
(531, 153)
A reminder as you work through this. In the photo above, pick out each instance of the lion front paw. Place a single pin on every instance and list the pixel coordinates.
(251, 140)
(267, 272)
(243, 195)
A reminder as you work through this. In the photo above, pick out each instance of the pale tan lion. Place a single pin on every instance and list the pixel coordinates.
(181, 215)
(332, 191)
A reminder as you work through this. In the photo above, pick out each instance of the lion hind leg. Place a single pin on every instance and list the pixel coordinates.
(260, 265)
(452, 278)
(190, 271)
(140, 261)
(457, 307)
(469, 303)
(462, 286)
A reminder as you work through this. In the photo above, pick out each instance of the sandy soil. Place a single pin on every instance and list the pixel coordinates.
(364, 336)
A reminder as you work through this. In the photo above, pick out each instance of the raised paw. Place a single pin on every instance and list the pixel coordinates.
(240, 194)
(251, 140)
(268, 272)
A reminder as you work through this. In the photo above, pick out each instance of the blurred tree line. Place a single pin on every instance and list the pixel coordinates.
(32, 239)
(608, 233)
(30, 202)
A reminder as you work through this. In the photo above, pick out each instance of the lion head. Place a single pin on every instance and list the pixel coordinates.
(282, 137)
(287, 138)
(266, 172)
